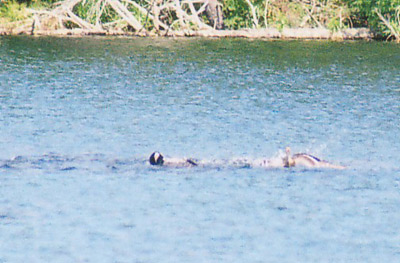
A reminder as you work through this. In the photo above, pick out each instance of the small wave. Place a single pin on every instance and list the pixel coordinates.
(55, 162)
(6, 166)
(70, 168)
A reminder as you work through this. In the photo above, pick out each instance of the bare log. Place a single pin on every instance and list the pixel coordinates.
(146, 12)
(306, 33)
(194, 13)
(203, 7)
(125, 14)
(265, 33)
(77, 20)
(195, 19)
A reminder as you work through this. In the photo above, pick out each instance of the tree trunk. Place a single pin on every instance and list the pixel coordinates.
(214, 14)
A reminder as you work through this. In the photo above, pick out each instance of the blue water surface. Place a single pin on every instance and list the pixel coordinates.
(80, 116)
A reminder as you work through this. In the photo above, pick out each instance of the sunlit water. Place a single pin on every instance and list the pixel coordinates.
(79, 118)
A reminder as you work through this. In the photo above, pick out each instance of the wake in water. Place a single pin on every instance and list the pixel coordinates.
(101, 163)
(287, 161)
(86, 162)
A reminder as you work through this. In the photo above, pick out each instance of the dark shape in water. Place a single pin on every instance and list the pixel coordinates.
(69, 168)
(156, 158)
(6, 166)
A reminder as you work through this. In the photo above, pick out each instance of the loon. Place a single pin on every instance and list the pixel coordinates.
(156, 158)
(307, 160)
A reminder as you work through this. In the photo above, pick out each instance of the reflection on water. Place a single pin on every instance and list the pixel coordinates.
(80, 116)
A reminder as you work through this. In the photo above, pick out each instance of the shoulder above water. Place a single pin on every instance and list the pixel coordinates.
(306, 160)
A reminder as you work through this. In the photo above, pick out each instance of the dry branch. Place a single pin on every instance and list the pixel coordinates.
(77, 20)
(185, 13)
(125, 14)
(393, 31)
(164, 17)
(146, 12)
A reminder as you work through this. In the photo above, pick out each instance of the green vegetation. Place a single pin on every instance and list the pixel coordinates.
(381, 16)
(13, 11)
(285, 13)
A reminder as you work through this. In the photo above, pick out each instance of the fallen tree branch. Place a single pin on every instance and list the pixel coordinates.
(195, 19)
(270, 33)
(146, 12)
(77, 20)
(125, 14)
(202, 8)
(393, 31)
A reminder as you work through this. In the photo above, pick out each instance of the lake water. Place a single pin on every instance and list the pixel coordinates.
(80, 116)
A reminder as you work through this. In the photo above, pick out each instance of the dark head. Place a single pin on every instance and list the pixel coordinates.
(156, 158)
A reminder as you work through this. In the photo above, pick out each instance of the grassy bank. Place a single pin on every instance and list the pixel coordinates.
(157, 17)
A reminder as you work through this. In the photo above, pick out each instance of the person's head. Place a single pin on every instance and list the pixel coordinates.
(156, 158)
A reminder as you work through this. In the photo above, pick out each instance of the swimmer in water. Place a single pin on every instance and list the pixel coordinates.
(306, 160)
(157, 158)
(299, 159)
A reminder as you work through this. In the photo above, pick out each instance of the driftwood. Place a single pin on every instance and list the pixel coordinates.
(161, 15)
(162, 18)
(294, 33)
(266, 33)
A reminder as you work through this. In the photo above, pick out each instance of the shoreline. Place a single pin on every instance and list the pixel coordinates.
(264, 33)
